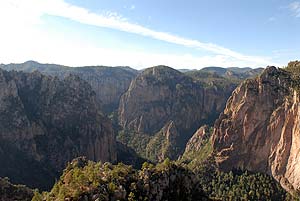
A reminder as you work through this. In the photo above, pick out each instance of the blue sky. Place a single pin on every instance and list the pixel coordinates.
(140, 33)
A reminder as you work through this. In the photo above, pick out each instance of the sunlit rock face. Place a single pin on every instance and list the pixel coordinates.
(259, 129)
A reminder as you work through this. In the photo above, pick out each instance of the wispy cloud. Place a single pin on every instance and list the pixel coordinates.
(295, 8)
(114, 21)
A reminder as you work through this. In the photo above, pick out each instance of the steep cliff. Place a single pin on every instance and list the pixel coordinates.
(169, 106)
(109, 83)
(45, 122)
(259, 129)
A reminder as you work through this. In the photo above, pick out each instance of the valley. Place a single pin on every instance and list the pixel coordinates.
(115, 133)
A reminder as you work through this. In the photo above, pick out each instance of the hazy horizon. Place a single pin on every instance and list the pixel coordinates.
(134, 67)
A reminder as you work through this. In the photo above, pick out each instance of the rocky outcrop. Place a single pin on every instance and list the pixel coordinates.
(198, 150)
(161, 95)
(259, 129)
(164, 144)
(48, 122)
(109, 83)
(197, 140)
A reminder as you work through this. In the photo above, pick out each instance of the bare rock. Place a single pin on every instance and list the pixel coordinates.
(259, 130)
(48, 121)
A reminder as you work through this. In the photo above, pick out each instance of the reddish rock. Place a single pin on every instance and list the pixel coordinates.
(260, 130)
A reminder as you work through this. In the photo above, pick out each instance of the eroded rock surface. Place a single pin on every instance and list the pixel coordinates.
(160, 95)
(259, 129)
(48, 122)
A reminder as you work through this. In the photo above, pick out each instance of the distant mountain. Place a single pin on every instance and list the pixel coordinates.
(217, 70)
(109, 83)
(185, 70)
(233, 72)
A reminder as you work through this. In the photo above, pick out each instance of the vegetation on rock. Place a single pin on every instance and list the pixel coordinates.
(198, 148)
(238, 185)
(11, 192)
(294, 68)
(86, 180)
(134, 140)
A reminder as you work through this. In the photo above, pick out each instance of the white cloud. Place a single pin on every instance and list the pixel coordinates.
(295, 8)
(19, 18)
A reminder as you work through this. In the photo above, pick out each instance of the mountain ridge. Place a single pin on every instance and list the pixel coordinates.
(109, 83)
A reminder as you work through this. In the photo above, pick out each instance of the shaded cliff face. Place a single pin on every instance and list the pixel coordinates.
(109, 83)
(45, 122)
(161, 95)
(259, 129)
